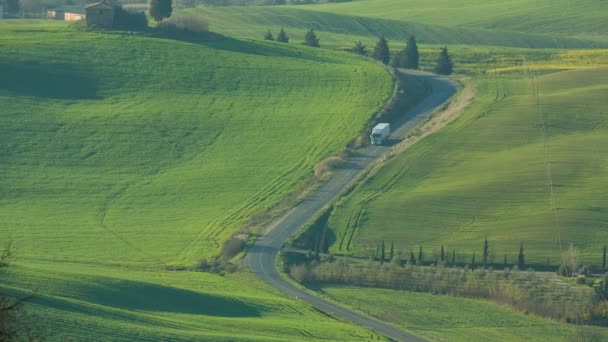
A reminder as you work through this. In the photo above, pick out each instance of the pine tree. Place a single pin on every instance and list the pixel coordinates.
(381, 51)
(442, 255)
(411, 53)
(520, 258)
(420, 256)
(473, 261)
(445, 66)
(311, 39)
(268, 35)
(392, 252)
(382, 255)
(412, 258)
(485, 253)
(160, 9)
(359, 49)
(604, 259)
(282, 36)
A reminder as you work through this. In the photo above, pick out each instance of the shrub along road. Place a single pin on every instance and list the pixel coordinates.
(260, 257)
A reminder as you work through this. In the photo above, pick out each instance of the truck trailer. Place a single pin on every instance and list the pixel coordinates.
(380, 133)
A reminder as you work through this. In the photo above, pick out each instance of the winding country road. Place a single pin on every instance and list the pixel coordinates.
(260, 257)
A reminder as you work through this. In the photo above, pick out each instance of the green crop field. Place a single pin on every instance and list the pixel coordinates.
(83, 302)
(120, 150)
(128, 150)
(545, 23)
(497, 172)
(446, 318)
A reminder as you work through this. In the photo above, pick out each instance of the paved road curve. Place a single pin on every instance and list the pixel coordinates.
(260, 258)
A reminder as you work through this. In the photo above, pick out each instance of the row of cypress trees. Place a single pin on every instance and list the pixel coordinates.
(407, 58)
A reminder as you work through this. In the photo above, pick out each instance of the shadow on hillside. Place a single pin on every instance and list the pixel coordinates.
(258, 48)
(132, 295)
(61, 81)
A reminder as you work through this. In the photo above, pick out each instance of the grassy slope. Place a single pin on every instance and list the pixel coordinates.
(583, 18)
(485, 176)
(446, 318)
(138, 150)
(80, 302)
(132, 151)
(338, 29)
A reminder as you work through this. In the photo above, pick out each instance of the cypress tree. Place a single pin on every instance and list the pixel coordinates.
(411, 53)
(412, 258)
(382, 255)
(473, 261)
(420, 256)
(392, 252)
(381, 51)
(442, 255)
(282, 36)
(520, 258)
(311, 39)
(160, 9)
(485, 253)
(604, 259)
(268, 35)
(445, 66)
(453, 257)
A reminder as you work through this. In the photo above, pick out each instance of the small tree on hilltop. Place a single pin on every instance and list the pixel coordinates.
(445, 66)
(268, 35)
(160, 9)
(282, 36)
(311, 39)
(359, 49)
(411, 52)
(381, 51)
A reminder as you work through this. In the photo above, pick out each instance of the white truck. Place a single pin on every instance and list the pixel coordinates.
(380, 133)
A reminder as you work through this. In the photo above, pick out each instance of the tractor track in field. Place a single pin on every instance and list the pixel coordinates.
(260, 258)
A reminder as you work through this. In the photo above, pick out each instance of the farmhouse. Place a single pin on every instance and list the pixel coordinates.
(100, 14)
(67, 13)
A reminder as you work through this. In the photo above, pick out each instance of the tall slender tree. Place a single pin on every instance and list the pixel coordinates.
(412, 258)
(160, 9)
(473, 261)
(411, 51)
(381, 50)
(445, 66)
(604, 259)
(420, 256)
(453, 257)
(442, 255)
(485, 253)
(391, 254)
(521, 261)
(382, 255)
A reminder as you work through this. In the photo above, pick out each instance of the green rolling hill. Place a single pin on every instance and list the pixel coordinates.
(496, 173)
(124, 156)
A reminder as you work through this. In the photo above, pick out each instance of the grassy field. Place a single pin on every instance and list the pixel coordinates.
(120, 149)
(446, 318)
(81, 302)
(494, 173)
(574, 18)
(340, 29)
(122, 155)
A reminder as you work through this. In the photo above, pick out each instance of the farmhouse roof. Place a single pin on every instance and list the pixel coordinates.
(101, 4)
